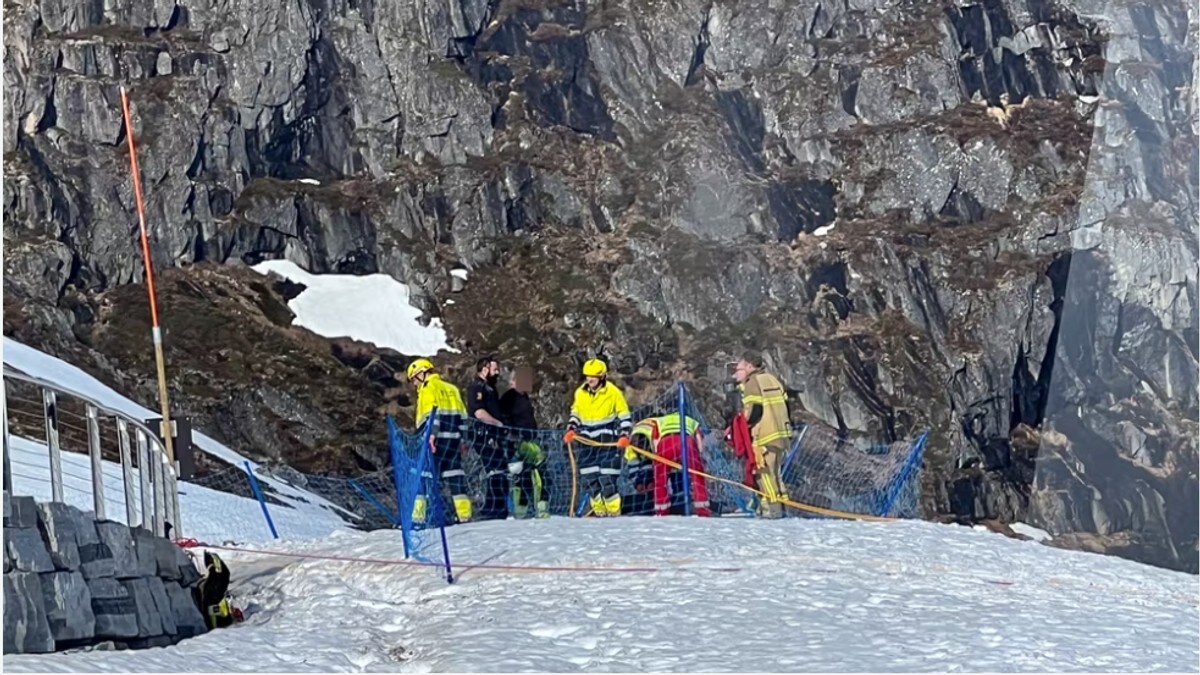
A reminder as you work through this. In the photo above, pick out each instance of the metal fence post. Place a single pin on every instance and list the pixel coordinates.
(126, 471)
(160, 505)
(93, 429)
(7, 451)
(683, 452)
(176, 516)
(50, 413)
(144, 475)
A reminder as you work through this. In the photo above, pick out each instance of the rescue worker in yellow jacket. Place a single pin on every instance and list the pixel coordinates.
(599, 413)
(446, 435)
(764, 402)
(661, 437)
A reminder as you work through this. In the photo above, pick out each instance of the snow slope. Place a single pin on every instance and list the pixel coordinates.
(206, 514)
(670, 594)
(728, 595)
(373, 308)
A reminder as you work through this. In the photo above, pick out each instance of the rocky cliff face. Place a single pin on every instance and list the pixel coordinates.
(972, 217)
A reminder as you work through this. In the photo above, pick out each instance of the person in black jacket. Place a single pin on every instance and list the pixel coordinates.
(488, 437)
(528, 480)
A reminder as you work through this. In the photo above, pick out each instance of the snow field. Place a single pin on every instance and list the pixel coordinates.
(746, 595)
(207, 514)
(372, 307)
(725, 595)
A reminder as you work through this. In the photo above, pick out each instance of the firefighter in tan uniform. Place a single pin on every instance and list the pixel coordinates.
(764, 403)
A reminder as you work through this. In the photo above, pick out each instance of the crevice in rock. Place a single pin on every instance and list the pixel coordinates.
(50, 113)
(979, 28)
(932, 313)
(555, 76)
(199, 246)
(862, 376)
(832, 275)
(359, 262)
(180, 16)
(1059, 273)
(744, 116)
(197, 165)
(702, 43)
(801, 206)
(366, 10)
(262, 248)
(819, 16)
(849, 77)
(962, 206)
(189, 203)
(220, 201)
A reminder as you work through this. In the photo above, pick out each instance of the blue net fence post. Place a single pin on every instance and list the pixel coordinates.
(261, 502)
(712, 455)
(404, 506)
(894, 490)
(446, 555)
(683, 451)
(787, 461)
(436, 495)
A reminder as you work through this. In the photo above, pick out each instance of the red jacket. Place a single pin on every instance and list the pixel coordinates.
(743, 448)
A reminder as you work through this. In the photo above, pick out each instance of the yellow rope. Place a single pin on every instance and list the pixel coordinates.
(574, 487)
(796, 505)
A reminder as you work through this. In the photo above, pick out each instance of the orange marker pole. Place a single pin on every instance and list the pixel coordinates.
(156, 332)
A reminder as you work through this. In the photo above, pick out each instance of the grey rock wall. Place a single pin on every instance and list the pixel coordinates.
(974, 217)
(71, 581)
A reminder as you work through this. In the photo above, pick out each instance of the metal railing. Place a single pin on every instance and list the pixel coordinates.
(155, 489)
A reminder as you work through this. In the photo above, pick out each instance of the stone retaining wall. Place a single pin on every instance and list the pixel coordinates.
(71, 581)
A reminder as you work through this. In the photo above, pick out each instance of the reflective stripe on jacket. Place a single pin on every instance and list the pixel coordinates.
(451, 416)
(601, 415)
(764, 389)
(654, 428)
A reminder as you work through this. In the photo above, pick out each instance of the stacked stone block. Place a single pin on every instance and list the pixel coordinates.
(71, 581)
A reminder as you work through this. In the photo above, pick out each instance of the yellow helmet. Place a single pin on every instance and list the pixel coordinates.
(418, 366)
(595, 368)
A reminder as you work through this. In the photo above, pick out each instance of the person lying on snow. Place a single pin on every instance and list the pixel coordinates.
(211, 594)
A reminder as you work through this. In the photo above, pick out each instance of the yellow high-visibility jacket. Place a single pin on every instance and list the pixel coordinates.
(451, 417)
(655, 428)
(602, 415)
(658, 428)
(773, 428)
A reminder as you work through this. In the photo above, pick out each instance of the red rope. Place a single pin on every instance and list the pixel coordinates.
(566, 568)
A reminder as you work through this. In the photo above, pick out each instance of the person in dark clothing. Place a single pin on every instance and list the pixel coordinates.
(488, 437)
(528, 480)
(516, 407)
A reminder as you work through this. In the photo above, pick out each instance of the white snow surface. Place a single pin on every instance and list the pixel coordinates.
(726, 595)
(1036, 533)
(459, 272)
(722, 595)
(206, 514)
(372, 308)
